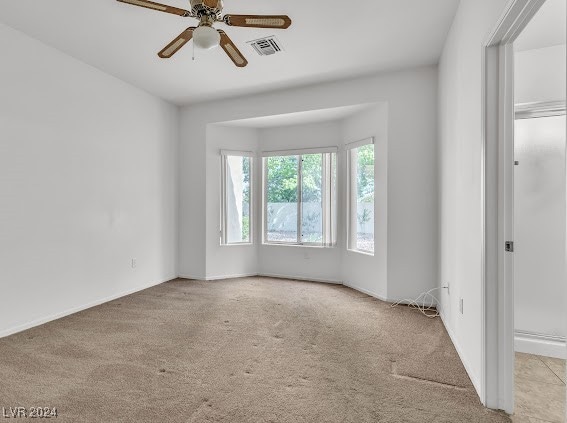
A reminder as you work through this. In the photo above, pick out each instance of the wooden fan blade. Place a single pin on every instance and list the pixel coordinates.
(258, 21)
(177, 43)
(232, 51)
(157, 6)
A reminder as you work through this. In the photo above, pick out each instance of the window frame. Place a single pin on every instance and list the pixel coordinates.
(224, 215)
(351, 241)
(328, 201)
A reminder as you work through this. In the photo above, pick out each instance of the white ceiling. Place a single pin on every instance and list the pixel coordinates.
(329, 39)
(547, 28)
(300, 118)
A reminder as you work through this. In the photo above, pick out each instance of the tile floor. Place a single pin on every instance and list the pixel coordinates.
(540, 389)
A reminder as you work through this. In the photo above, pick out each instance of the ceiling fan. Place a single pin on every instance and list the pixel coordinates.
(208, 12)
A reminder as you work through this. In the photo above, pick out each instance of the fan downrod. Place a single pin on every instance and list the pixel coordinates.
(207, 8)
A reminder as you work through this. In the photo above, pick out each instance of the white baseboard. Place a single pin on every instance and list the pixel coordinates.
(540, 344)
(300, 278)
(43, 320)
(365, 291)
(380, 297)
(473, 377)
(236, 276)
(266, 275)
(192, 277)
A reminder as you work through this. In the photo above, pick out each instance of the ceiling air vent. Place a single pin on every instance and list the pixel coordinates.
(266, 46)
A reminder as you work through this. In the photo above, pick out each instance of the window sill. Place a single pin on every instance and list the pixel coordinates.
(364, 253)
(282, 244)
(242, 244)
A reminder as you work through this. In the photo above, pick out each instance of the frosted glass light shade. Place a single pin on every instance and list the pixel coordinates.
(206, 37)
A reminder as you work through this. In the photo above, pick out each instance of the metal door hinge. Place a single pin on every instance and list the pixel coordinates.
(509, 246)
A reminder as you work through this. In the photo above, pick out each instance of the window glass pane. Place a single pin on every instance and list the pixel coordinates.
(364, 208)
(237, 199)
(312, 205)
(282, 198)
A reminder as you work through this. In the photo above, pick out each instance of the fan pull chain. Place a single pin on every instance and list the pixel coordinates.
(193, 50)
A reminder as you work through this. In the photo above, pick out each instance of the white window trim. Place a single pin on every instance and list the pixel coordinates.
(300, 152)
(329, 236)
(237, 153)
(352, 220)
(223, 216)
(360, 143)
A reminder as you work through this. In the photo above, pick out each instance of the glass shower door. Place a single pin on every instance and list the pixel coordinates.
(539, 225)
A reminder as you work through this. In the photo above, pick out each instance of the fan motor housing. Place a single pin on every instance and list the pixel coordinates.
(207, 8)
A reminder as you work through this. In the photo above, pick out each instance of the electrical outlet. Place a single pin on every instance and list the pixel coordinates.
(134, 263)
(461, 306)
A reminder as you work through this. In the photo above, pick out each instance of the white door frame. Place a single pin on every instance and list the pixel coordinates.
(497, 379)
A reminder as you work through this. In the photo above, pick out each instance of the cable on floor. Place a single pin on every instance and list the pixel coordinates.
(427, 303)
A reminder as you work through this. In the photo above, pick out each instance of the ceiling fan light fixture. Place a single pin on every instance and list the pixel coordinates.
(206, 37)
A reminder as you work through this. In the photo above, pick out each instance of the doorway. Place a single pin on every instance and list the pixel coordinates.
(539, 219)
(539, 256)
(522, 265)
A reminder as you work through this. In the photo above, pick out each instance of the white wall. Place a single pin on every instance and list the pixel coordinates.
(540, 75)
(411, 98)
(192, 257)
(406, 206)
(460, 228)
(88, 181)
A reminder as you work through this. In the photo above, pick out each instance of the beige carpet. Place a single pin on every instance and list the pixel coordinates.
(246, 350)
